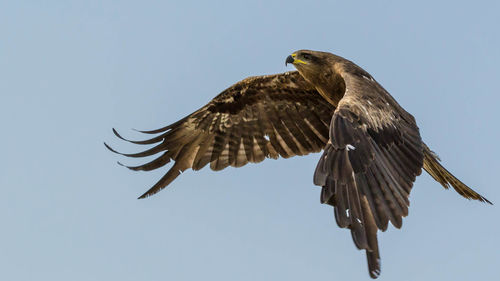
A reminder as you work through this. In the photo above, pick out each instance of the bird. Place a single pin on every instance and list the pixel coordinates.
(372, 147)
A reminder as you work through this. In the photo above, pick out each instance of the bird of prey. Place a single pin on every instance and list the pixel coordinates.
(372, 148)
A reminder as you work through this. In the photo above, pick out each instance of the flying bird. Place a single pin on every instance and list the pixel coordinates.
(372, 148)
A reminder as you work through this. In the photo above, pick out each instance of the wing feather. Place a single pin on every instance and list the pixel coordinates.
(314, 143)
(256, 118)
(234, 147)
(157, 162)
(369, 165)
(204, 154)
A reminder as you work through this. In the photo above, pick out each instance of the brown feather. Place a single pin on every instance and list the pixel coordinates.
(372, 147)
(254, 119)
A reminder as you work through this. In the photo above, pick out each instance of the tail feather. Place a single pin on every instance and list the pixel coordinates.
(446, 179)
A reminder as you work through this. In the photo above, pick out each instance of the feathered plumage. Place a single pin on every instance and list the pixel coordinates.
(259, 117)
(372, 148)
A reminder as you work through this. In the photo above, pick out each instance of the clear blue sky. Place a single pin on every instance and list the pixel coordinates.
(72, 71)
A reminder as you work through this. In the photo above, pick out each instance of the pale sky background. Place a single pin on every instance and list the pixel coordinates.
(70, 71)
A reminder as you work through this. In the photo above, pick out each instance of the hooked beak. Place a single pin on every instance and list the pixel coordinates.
(291, 59)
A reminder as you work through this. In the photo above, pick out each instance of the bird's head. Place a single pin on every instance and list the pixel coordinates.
(322, 70)
(311, 64)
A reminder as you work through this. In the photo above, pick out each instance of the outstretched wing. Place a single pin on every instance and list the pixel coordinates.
(370, 163)
(259, 117)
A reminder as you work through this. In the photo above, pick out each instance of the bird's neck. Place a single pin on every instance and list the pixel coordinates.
(331, 86)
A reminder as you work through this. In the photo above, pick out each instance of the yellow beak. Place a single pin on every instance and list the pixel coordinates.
(293, 60)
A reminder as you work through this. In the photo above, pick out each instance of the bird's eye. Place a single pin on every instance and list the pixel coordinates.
(306, 56)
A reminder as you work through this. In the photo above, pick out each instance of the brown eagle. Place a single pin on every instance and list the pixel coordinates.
(372, 149)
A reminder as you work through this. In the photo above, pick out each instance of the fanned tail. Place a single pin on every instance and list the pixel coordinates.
(446, 179)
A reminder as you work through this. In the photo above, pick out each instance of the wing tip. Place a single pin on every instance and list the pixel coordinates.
(152, 191)
(374, 264)
(128, 167)
(144, 196)
(117, 134)
(146, 141)
(482, 199)
(447, 179)
(170, 176)
(374, 274)
(110, 148)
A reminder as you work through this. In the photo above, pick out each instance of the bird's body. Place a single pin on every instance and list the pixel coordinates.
(372, 148)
